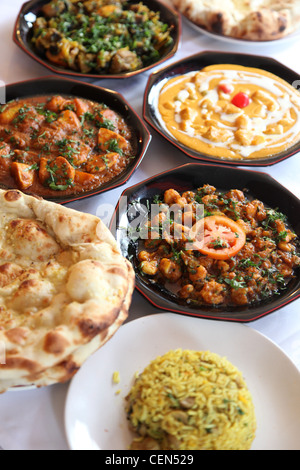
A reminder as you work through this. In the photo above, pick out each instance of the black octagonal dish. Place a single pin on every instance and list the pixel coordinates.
(197, 62)
(132, 210)
(30, 11)
(114, 100)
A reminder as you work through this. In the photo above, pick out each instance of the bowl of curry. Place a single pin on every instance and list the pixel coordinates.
(98, 38)
(68, 141)
(228, 108)
(212, 241)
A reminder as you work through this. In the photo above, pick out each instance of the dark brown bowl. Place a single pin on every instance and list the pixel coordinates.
(197, 62)
(188, 177)
(56, 85)
(30, 10)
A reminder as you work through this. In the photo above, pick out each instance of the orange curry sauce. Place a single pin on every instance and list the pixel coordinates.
(55, 146)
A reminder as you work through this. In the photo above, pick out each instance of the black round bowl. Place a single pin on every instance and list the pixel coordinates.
(188, 177)
(30, 10)
(198, 62)
(114, 100)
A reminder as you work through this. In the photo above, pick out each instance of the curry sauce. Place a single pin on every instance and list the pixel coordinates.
(231, 112)
(58, 146)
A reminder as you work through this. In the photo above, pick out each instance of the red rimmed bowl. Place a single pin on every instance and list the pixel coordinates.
(31, 10)
(48, 86)
(125, 225)
(197, 62)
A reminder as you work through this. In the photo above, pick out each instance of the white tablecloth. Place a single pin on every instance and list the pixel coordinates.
(34, 419)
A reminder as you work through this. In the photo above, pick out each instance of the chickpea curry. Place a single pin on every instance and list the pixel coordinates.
(237, 252)
(100, 36)
(59, 146)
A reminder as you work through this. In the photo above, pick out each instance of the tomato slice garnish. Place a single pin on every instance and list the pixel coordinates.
(217, 236)
(241, 100)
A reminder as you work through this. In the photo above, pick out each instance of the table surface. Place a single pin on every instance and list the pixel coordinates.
(34, 419)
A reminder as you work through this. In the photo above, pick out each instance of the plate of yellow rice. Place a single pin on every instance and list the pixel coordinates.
(170, 382)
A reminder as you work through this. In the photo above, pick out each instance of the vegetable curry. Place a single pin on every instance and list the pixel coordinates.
(57, 146)
(100, 36)
(237, 253)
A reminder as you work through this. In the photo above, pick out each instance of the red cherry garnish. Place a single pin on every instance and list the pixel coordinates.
(241, 100)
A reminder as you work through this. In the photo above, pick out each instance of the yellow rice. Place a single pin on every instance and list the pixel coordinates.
(191, 400)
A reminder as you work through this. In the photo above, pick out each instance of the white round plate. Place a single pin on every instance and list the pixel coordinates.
(94, 414)
(231, 40)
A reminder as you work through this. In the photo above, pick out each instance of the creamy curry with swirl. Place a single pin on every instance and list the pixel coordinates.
(231, 112)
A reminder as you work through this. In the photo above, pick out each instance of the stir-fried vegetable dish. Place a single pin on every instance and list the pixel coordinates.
(56, 145)
(236, 252)
(100, 36)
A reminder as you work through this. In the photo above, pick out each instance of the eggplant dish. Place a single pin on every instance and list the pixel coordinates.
(100, 36)
(57, 145)
(237, 252)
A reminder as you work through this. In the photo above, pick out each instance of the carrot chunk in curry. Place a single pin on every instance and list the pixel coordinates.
(57, 145)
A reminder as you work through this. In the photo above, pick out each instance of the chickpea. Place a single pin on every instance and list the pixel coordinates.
(239, 296)
(172, 196)
(186, 291)
(250, 210)
(284, 246)
(208, 198)
(223, 266)
(170, 270)
(260, 210)
(189, 196)
(149, 267)
(144, 256)
(212, 293)
(189, 218)
(289, 236)
(285, 270)
(198, 274)
(236, 195)
(209, 189)
(158, 219)
(245, 226)
(280, 227)
(180, 232)
(167, 237)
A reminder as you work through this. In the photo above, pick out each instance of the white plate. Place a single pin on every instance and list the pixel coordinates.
(231, 40)
(94, 413)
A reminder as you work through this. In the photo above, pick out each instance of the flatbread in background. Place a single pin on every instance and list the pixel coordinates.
(65, 289)
(254, 20)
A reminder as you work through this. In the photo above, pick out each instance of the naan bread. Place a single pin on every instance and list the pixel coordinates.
(65, 289)
(255, 20)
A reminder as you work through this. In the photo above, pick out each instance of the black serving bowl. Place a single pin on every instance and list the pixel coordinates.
(55, 85)
(30, 10)
(124, 225)
(198, 62)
